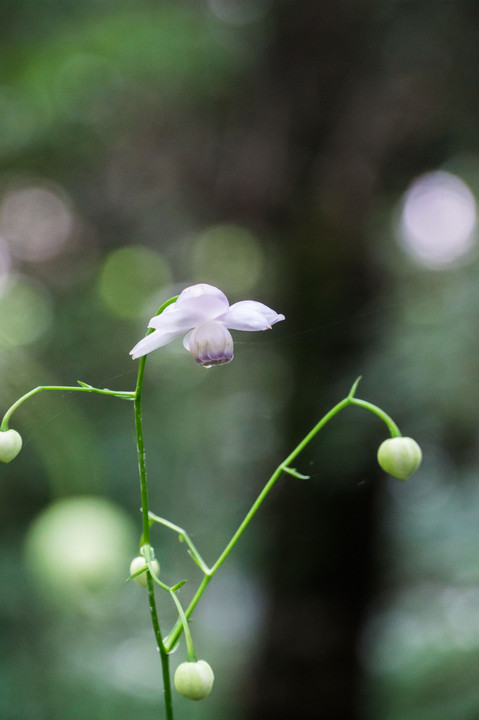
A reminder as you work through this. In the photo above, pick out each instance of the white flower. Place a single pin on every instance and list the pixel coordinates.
(204, 314)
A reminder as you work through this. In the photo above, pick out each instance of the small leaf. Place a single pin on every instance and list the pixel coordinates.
(178, 585)
(175, 645)
(352, 392)
(85, 385)
(295, 473)
(135, 574)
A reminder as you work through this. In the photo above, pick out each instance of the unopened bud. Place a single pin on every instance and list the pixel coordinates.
(139, 563)
(194, 680)
(399, 457)
(10, 445)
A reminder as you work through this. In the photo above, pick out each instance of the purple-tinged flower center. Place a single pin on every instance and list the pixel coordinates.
(211, 344)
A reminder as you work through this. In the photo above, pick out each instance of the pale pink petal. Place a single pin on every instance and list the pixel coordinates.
(203, 310)
(186, 340)
(250, 315)
(188, 312)
(153, 341)
(195, 291)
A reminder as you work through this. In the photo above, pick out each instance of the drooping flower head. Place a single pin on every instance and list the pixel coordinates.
(205, 315)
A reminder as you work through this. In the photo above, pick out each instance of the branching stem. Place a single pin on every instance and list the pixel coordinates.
(284, 467)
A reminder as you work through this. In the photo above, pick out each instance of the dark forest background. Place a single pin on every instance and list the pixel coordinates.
(320, 157)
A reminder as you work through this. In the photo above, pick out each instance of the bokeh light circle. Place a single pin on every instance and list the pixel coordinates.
(129, 278)
(36, 220)
(26, 312)
(78, 548)
(228, 256)
(438, 220)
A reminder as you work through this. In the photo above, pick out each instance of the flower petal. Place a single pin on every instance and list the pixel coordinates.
(250, 315)
(195, 305)
(153, 341)
(210, 344)
(203, 289)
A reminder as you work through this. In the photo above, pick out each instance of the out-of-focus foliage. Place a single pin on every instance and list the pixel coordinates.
(145, 146)
(96, 101)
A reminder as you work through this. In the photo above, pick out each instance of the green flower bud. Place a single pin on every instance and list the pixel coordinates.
(138, 563)
(194, 680)
(399, 457)
(10, 445)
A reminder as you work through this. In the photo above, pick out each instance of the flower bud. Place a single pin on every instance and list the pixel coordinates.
(10, 445)
(399, 457)
(138, 563)
(194, 680)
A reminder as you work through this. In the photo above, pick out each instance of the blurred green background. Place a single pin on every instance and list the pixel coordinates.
(322, 158)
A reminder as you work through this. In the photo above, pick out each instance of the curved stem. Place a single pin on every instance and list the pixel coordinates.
(124, 395)
(393, 428)
(282, 467)
(190, 650)
(174, 634)
(183, 537)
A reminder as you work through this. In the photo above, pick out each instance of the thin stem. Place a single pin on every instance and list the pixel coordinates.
(165, 660)
(176, 631)
(393, 428)
(124, 395)
(140, 443)
(165, 665)
(164, 657)
(307, 439)
(283, 467)
(173, 636)
(183, 537)
(190, 650)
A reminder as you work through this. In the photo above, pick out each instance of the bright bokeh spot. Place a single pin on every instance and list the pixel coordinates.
(438, 220)
(25, 312)
(36, 221)
(129, 277)
(80, 547)
(228, 256)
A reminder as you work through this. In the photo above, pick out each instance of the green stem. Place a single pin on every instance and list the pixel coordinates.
(393, 428)
(173, 637)
(183, 537)
(140, 444)
(190, 650)
(165, 664)
(283, 467)
(124, 395)
(165, 660)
